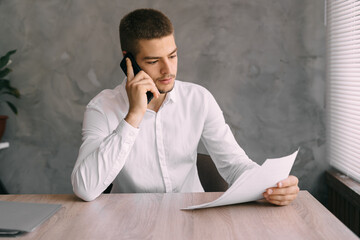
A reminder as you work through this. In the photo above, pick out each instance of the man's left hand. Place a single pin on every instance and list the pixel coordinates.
(285, 192)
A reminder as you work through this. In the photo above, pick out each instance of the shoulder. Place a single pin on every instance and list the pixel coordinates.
(195, 97)
(192, 89)
(105, 98)
(189, 86)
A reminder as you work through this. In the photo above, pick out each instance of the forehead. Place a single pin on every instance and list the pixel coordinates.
(156, 47)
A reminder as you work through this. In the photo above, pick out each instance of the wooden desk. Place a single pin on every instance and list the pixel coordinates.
(158, 216)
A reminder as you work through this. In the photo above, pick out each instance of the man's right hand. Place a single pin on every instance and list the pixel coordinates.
(136, 88)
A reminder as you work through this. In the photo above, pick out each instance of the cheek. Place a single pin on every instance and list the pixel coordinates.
(174, 67)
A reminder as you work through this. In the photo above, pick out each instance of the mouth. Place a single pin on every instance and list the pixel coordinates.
(165, 80)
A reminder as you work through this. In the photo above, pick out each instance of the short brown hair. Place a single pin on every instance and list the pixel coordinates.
(143, 24)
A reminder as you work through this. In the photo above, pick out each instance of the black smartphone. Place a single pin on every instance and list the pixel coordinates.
(136, 69)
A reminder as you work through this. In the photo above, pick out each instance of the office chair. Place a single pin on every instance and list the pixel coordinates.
(108, 189)
(209, 176)
(2, 188)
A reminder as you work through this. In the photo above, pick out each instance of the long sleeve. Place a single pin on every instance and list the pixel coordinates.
(229, 158)
(102, 154)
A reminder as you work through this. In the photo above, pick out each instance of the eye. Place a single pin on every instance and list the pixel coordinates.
(152, 62)
(173, 56)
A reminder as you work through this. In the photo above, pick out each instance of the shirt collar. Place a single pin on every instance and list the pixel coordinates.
(172, 96)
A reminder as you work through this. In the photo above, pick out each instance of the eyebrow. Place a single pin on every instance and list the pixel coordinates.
(148, 57)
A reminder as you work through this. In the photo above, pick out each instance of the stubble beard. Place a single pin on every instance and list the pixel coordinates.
(168, 76)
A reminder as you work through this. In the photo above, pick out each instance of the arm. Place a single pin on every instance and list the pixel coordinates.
(103, 153)
(232, 161)
(229, 158)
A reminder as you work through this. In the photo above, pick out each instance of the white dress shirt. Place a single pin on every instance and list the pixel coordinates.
(160, 155)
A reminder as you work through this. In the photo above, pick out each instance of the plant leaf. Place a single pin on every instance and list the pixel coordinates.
(4, 83)
(4, 72)
(7, 88)
(14, 93)
(5, 59)
(12, 107)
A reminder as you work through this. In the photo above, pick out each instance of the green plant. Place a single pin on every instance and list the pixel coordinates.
(5, 86)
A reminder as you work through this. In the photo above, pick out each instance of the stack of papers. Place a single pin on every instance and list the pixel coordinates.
(251, 185)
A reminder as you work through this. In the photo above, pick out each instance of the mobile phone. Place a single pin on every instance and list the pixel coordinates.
(136, 69)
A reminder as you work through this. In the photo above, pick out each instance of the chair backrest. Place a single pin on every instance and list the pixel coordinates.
(209, 176)
(108, 189)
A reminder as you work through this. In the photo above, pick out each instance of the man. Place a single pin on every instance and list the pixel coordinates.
(141, 147)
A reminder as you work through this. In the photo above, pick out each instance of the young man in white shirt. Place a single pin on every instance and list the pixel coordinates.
(152, 147)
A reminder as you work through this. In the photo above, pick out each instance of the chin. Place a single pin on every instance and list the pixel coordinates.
(166, 89)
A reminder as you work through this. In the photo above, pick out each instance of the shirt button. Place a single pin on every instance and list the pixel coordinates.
(132, 134)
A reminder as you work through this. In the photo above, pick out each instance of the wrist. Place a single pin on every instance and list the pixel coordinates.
(134, 119)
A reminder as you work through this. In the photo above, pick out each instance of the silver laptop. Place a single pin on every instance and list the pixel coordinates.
(19, 217)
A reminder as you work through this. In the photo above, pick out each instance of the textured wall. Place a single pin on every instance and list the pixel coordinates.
(262, 59)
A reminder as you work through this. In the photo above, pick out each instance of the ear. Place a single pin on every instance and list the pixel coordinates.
(123, 52)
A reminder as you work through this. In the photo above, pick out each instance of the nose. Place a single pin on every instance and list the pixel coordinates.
(165, 67)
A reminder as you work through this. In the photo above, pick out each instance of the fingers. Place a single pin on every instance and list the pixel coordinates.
(143, 83)
(279, 203)
(286, 186)
(290, 181)
(141, 80)
(130, 70)
(136, 88)
(285, 192)
(281, 199)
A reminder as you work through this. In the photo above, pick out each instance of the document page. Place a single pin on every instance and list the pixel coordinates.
(252, 183)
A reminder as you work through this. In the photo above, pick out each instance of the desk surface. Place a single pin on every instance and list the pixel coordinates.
(158, 216)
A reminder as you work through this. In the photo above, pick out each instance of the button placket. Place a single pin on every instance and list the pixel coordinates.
(161, 153)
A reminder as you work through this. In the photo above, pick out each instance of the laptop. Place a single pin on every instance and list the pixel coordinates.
(17, 218)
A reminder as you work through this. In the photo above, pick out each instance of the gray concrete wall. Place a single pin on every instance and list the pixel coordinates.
(262, 59)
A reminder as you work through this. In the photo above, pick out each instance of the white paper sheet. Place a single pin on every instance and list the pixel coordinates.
(252, 183)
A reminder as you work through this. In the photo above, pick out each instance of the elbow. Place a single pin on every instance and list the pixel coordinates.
(84, 195)
(81, 191)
